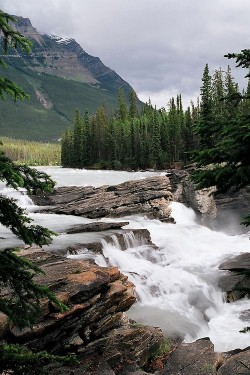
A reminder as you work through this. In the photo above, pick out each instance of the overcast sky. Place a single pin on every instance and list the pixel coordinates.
(160, 47)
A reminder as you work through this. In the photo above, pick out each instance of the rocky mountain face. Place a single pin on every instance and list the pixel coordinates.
(65, 58)
(59, 77)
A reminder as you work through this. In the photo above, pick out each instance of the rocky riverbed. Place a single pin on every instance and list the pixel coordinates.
(96, 326)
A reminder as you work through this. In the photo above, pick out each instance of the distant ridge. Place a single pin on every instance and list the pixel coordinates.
(60, 77)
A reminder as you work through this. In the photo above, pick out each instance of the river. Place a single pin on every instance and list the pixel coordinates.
(176, 285)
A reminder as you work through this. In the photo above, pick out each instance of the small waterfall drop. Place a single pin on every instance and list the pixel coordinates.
(21, 197)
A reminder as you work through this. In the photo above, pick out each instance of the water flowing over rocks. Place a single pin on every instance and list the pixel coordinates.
(223, 211)
(150, 196)
(123, 239)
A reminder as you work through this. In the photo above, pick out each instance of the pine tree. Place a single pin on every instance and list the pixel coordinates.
(87, 139)
(133, 110)
(205, 127)
(67, 149)
(122, 112)
(78, 141)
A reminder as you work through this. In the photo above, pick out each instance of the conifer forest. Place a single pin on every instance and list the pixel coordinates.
(136, 137)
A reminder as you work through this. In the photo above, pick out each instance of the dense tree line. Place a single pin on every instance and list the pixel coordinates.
(151, 138)
(130, 139)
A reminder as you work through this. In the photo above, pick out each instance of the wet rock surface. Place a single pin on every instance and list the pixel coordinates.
(96, 227)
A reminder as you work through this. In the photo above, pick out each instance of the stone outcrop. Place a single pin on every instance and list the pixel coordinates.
(199, 358)
(202, 201)
(196, 358)
(223, 211)
(150, 196)
(95, 324)
(236, 283)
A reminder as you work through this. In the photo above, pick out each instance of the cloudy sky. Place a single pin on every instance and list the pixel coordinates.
(159, 46)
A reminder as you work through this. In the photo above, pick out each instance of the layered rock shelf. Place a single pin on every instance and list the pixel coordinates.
(95, 324)
(150, 196)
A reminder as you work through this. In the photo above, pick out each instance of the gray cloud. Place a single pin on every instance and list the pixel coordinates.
(159, 47)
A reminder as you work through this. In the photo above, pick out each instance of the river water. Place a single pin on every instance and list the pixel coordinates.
(176, 285)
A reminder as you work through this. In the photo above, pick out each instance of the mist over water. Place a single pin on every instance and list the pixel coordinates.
(176, 284)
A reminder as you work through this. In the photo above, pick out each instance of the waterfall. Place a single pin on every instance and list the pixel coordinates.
(177, 285)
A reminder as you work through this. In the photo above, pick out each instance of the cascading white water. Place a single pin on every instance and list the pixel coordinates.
(176, 285)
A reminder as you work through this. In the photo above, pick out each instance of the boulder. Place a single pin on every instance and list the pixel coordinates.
(197, 358)
(238, 363)
(236, 283)
(238, 263)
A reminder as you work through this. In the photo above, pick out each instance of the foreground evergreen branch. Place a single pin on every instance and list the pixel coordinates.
(20, 295)
(16, 275)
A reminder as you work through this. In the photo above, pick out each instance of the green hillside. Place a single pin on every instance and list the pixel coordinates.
(60, 77)
(29, 119)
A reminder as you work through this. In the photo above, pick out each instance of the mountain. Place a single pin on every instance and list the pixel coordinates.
(60, 77)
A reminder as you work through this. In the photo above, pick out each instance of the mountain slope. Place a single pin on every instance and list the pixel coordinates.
(60, 77)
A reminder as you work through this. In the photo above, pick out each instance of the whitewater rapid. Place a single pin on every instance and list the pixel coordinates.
(177, 283)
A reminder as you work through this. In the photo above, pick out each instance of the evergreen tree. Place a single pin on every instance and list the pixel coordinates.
(78, 149)
(67, 149)
(122, 112)
(133, 110)
(156, 140)
(205, 127)
(87, 139)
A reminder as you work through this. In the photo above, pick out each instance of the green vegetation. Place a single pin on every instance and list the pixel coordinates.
(21, 361)
(133, 139)
(31, 153)
(162, 350)
(31, 120)
(54, 89)
(129, 140)
(224, 133)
